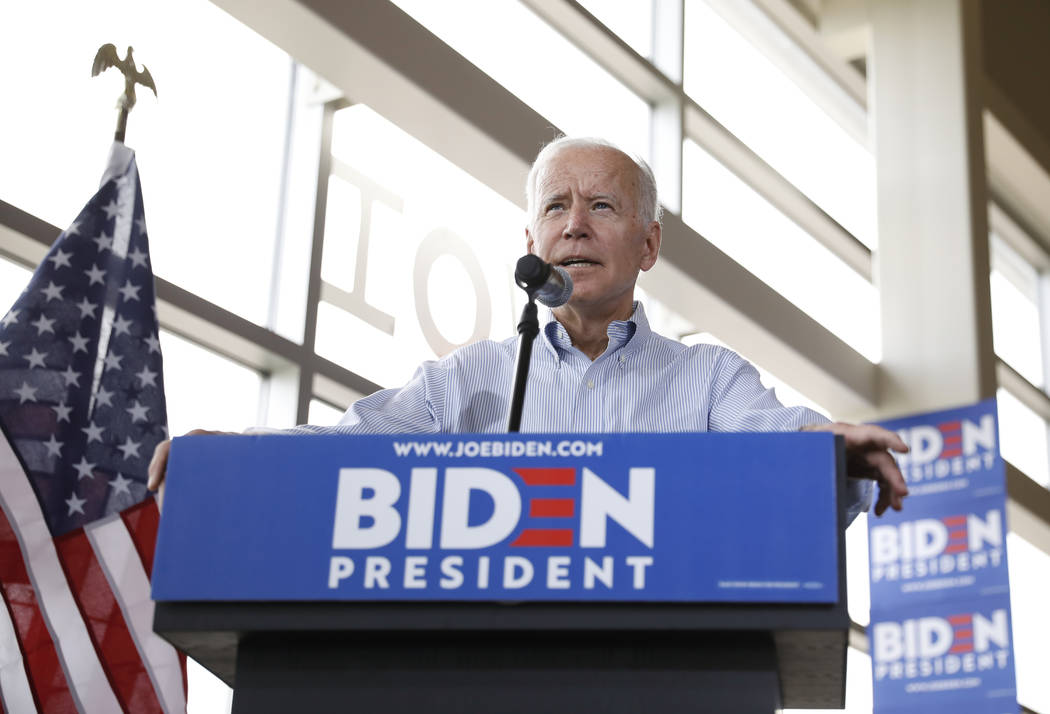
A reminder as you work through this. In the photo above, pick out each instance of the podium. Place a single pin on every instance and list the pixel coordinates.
(509, 573)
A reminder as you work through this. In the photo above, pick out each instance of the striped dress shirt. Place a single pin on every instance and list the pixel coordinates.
(643, 382)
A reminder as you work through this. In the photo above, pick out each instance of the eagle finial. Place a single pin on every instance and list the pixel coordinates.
(107, 57)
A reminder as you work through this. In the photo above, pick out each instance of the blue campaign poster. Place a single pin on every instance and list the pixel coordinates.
(940, 599)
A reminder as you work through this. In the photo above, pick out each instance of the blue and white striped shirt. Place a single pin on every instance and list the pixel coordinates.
(643, 382)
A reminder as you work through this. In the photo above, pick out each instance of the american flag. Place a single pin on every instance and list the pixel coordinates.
(81, 408)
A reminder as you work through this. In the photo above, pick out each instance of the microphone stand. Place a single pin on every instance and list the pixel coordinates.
(528, 328)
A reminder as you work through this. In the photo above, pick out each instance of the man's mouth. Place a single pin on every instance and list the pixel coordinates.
(577, 262)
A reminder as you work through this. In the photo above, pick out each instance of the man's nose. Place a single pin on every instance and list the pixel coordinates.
(576, 224)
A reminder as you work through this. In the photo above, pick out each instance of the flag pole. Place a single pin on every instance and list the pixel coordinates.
(107, 57)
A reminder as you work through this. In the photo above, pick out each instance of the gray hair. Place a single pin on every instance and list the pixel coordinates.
(649, 207)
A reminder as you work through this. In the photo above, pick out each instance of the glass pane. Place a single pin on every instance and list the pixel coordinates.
(632, 21)
(13, 280)
(769, 112)
(750, 230)
(435, 268)
(1015, 312)
(194, 375)
(537, 64)
(323, 413)
(209, 148)
(1022, 437)
(1029, 585)
(858, 586)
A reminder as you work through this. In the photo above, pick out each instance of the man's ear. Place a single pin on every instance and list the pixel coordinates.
(651, 248)
(528, 242)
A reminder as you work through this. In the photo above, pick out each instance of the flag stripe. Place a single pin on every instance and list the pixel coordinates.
(142, 521)
(16, 694)
(88, 683)
(109, 633)
(116, 551)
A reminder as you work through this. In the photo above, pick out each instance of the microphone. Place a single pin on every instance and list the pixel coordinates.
(550, 284)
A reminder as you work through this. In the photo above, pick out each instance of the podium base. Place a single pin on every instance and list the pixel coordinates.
(406, 673)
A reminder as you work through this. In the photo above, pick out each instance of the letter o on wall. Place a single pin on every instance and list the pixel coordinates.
(444, 242)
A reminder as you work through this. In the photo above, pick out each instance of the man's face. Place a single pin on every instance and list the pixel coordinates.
(586, 220)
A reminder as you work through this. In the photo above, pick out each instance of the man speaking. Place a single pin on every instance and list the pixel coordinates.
(597, 366)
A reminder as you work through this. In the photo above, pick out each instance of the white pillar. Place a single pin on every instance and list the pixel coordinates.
(932, 262)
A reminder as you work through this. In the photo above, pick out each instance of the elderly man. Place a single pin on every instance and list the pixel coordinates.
(597, 366)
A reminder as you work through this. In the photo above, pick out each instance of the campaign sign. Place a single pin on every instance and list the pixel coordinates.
(611, 517)
(957, 658)
(938, 549)
(940, 592)
(951, 452)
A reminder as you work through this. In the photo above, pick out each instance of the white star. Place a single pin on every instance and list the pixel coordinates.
(85, 469)
(79, 342)
(87, 308)
(96, 275)
(36, 358)
(129, 291)
(25, 393)
(61, 258)
(43, 324)
(74, 229)
(121, 325)
(52, 291)
(9, 318)
(5, 345)
(103, 398)
(53, 446)
(72, 377)
(62, 411)
(137, 411)
(141, 223)
(147, 377)
(112, 209)
(138, 258)
(120, 484)
(113, 361)
(76, 505)
(93, 431)
(103, 242)
(130, 448)
(153, 343)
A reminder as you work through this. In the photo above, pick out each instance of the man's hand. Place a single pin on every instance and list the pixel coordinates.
(158, 465)
(867, 456)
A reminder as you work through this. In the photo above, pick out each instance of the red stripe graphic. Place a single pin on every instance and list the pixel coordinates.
(957, 535)
(955, 548)
(960, 619)
(552, 508)
(538, 537)
(142, 520)
(953, 440)
(45, 675)
(964, 634)
(547, 477)
(957, 649)
(950, 426)
(951, 453)
(105, 622)
(952, 521)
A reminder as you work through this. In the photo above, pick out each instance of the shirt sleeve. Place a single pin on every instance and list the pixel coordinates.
(410, 409)
(739, 402)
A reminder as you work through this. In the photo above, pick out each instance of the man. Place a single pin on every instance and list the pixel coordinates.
(597, 367)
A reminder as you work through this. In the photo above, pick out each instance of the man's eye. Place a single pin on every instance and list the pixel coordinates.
(601, 204)
(553, 207)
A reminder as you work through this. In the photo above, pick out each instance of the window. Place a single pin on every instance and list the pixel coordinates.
(1022, 437)
(632, 21)
(1015, 312)
(1029, 584)
(751, 96)
(209, 148)
(436, 267)
(537, 64)
(13, 279)
(730, 214)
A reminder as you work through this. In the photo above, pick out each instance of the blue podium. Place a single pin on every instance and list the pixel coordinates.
(536, 572)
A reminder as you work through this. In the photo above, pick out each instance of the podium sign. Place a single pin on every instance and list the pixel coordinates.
(540, 517)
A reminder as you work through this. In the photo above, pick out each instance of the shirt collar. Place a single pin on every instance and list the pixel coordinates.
(623, 334)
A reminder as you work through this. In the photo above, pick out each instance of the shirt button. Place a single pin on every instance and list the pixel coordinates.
(622, 359)
(590, 384)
